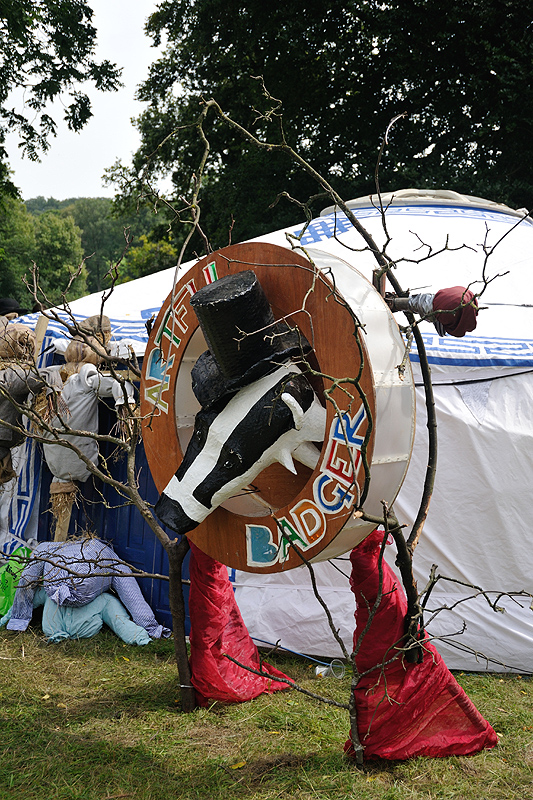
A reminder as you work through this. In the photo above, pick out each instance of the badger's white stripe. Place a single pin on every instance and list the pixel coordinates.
(195, 510)
(284, 446)
(221, 428)
(312, 429)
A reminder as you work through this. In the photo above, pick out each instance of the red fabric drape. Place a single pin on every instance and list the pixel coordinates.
(426, 713)
(464, 318)
(217, 628)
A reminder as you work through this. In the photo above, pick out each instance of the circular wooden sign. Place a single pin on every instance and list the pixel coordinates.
(282, 514)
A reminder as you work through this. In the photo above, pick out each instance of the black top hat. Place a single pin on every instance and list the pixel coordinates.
(245, 341)
(8, 305)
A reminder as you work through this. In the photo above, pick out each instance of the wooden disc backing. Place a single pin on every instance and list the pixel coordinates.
(254, 532)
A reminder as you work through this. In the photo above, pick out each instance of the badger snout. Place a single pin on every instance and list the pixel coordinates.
(171, 514)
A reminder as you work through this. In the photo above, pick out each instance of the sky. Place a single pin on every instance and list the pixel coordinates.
(75, 162)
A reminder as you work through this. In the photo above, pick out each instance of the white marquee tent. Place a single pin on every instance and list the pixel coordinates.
(478, 530)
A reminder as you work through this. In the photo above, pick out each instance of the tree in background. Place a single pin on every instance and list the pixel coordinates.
(37, 205)
(102, 237)
(17, 245)
(58, 253)
(148, 257)
(103, 225)
(47, 50)
(459, 72)
(51, 240)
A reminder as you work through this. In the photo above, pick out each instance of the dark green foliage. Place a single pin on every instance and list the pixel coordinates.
(17, 244)
(460, 72)
(103, 227)
(58, 254)
(147, 257)
(51, 240)
(37, 205)
(102, 237)
(46, 50)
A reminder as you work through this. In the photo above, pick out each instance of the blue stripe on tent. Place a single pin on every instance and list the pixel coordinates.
(467, 351)
(334, 224)
(472, 351)
(25, 493)
(146, 313)
(121, 328)
(479, 362)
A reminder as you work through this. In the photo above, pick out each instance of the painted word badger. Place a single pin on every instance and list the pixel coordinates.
(257, 406)
(334, 489)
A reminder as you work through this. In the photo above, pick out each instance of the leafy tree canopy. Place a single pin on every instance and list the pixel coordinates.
(104, 226)
(17, 244)
(102, 236)
(59, 234)
(58, 254)
(46, 50)
(50, 240)
(459, 72)
(148, 257)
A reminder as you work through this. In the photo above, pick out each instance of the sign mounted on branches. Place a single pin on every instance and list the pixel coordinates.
(259, 409)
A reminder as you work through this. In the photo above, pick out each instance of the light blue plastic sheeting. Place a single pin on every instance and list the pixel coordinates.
(63, 622)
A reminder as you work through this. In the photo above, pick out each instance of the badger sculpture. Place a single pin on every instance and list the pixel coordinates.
(257, 406)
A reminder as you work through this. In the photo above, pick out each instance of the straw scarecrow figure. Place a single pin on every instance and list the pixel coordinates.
(75, 408)
(18, 379)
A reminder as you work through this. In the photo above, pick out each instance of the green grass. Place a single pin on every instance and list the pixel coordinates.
(99, 720)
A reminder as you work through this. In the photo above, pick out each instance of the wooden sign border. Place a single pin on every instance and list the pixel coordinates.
(312, 507)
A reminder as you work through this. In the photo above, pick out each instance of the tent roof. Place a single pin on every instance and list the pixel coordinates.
(438, 238)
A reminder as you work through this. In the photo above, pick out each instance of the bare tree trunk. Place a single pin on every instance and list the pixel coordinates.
(176, 553)
(352, 705)
(414, 619)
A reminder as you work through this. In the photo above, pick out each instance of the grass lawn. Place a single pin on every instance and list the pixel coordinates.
(99, 720)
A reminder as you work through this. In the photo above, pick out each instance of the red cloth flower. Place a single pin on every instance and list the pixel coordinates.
(458, 307)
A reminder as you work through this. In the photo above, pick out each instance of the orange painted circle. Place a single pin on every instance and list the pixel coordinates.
(309, 508)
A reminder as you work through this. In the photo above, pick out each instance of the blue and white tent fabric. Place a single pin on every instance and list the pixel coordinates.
(19, 500)
(478, 529)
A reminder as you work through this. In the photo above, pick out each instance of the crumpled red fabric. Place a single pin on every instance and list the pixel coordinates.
(458, 307)
(217, 627)
(428, 713)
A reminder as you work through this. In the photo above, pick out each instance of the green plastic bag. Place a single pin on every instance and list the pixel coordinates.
(9, 577)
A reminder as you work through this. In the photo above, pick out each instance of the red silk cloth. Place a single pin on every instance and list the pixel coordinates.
(458, 307)
(217, 628)
(426, 712)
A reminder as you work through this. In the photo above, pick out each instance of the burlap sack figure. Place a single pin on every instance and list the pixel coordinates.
(18, 379)
(90, 347)
(83, 384)
(17, 343)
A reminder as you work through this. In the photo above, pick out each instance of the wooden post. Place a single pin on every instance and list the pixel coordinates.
(40, 331)
(62, 496)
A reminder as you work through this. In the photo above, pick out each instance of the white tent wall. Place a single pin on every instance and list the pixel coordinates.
(477, 532)
(478, 529)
